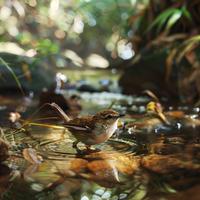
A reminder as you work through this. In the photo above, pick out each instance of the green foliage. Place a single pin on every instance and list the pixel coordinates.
(49, 26)
(186, 47)
(88, 26)
(169, 18)
(46, 47)
(163, 17)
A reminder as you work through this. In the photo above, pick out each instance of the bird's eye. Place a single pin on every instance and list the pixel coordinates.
(108, 116)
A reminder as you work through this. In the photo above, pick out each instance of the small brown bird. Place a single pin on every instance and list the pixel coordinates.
(94, 129)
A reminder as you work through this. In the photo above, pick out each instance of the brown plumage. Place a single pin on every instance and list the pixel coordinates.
(94, 129)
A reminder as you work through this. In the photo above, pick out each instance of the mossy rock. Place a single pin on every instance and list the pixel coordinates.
(33, 73)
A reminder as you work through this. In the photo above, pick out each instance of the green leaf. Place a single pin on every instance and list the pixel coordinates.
(163, 18)
(187, 46)
(169, 189)
(186, 13)
(46, 47)
(196, 38)
(174, 18)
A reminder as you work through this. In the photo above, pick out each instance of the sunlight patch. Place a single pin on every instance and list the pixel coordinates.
(95, 60)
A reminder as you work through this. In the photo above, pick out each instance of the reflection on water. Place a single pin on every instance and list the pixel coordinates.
(156, 167)
(134, 165)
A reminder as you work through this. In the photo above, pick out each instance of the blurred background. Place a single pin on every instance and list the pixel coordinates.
(138, 57)
(123, 46)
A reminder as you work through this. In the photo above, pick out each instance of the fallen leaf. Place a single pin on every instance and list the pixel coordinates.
(31, 156)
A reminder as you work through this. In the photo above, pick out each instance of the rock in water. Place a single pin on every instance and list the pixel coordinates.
(34, 74)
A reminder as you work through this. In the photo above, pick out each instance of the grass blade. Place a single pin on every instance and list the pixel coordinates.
(13, 75)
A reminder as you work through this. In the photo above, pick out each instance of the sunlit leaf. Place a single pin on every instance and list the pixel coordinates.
(174, 18)
(169, 189)
(163, 18)
(193, 39)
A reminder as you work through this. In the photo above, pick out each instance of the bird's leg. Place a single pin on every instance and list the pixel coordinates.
(91, 150)
(75, 146)
(75, 143)
(79, 151)
(88, 147)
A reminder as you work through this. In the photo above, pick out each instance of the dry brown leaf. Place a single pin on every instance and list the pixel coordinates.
(31, 156)
(151, 94)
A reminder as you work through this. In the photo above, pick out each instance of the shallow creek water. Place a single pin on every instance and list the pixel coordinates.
(145, 161)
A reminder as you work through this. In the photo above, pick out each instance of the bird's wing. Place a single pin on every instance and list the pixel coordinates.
(80, 124)
(78, 128)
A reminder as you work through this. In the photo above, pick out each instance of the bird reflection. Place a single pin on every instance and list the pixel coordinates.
(105, 168)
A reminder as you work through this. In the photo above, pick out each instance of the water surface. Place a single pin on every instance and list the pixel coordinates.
(148, 160)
